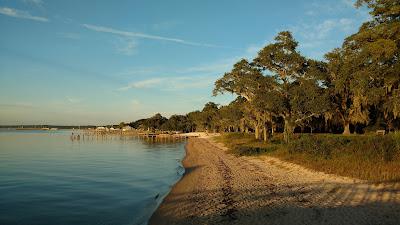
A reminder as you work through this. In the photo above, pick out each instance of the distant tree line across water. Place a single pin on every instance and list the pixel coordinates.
(49, 126)
(355, 89)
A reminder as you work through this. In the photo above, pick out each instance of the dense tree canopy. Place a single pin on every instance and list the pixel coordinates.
(357, 85)
(295, 88)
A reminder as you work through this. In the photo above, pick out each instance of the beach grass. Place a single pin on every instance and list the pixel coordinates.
(368, 157)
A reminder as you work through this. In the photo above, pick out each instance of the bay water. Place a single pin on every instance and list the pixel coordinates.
(47, 178)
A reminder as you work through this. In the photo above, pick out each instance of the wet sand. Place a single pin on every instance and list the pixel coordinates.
(219, 188)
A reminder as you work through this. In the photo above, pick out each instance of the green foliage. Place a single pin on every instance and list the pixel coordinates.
(245, 145)
(369, 157)
(138, 123)
(155, 122)
(230, 116)
(370, 148)
(208, 119)
(295, 89)
(375, 53)
(209, 116)
(347, 96)
(245, 150)
(178, 123)
(282, 86)
(121, 125)
(356, 88)
(382, 10)
(196, 118)
(242, 80)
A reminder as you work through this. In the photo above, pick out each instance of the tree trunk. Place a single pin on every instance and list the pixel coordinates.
(242, 126)
(346, 126)
(288, 131)
(390, 125)
(265, 133)
(273, 129)
(257, 132)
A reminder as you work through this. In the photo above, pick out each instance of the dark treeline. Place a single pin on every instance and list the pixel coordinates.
(204, 120)
(158, 122)
(355, 89)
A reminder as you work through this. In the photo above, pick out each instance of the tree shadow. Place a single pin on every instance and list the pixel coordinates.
(315, 203)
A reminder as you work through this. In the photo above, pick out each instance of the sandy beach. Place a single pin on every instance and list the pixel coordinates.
(220, 188)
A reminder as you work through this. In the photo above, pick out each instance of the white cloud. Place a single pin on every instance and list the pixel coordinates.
(188, 82)
(349, 3)
(127, 47)
(135, 102)
(346, 24)
(129, 34)
(149, 83)
(213, 68)
(209, 68)
(252, 50)
(34, 2)
(324, 8)
(21, 14)
(331, 8)
(310, 12)
(315, 34)
(74, 100)
(172, 83)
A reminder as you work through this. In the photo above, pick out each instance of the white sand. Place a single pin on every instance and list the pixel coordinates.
(219, 188)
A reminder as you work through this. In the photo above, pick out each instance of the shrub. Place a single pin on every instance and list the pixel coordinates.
(373, 148)
(369, 157)
(248, 150)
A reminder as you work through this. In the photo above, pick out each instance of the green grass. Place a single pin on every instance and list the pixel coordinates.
(368, 157)
(245, 144)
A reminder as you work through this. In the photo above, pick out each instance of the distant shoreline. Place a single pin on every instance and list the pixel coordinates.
(46, 126)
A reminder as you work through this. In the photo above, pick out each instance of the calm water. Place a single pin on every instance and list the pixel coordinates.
(45, 178)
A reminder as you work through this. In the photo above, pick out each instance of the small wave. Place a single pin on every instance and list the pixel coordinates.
(180, 170)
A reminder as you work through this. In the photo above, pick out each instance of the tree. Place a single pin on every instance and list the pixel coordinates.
(263, 105)
(155, 122)
(209, 116)
(121, 125)
(382, 10)
(244, 80)
(177, 123)
(137, 124)
(230, 116)
(197, 120)
(376, 48)
(296, 93)
(347, 95)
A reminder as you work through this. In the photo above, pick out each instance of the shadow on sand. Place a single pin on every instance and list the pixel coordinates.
(315, 203)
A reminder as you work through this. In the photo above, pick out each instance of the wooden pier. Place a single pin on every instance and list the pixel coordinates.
(93, 134)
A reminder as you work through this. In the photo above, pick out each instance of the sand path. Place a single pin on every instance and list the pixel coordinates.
(219, 188)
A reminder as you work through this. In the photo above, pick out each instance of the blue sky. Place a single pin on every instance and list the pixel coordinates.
(99, 62)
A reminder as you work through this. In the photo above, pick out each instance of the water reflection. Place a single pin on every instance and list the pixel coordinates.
(48, 178)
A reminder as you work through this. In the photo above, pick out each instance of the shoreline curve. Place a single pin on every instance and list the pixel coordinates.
(220, 188)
